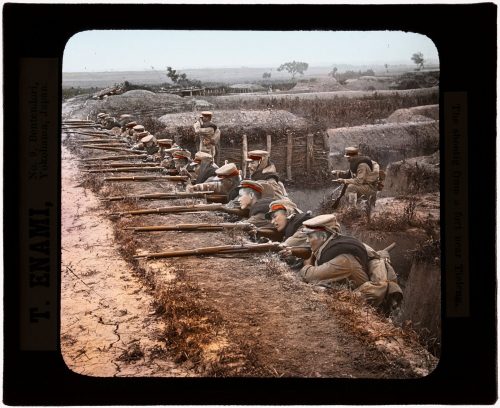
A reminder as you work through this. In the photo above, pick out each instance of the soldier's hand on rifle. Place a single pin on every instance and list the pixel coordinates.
(285, 252)
(339, 180)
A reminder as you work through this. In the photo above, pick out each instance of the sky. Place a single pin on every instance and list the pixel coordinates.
(138, 50)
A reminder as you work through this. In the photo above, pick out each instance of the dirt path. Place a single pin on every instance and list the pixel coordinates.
(107, 319)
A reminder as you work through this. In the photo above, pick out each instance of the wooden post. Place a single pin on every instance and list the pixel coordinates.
(244, 152)
(269, 144)
(309, 151)
(289, 150)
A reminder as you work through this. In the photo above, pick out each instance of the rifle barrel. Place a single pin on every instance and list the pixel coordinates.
(116, 157)
(147, 178)
(191, 227)
(161, 196)
(124, 169)
(223, 249)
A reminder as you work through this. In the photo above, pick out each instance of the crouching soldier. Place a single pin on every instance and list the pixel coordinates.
(181, 159)
(202, 167)
(262, 169)
(287, 218)
(127, 134)
(250, 197)
(339, 258)
(148, 143)
(226, 181)
(335, 258)
(362, 178)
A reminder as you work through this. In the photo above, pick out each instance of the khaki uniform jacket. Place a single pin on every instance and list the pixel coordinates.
(341, 268)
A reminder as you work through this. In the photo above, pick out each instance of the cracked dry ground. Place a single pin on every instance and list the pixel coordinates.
(204, 316)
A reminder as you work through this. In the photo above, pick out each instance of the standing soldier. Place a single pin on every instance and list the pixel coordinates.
(262, 169)
(209, 133)
(362, 178)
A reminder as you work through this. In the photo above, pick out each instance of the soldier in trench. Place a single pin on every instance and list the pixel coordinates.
(226, 181)
(262, 169)
(361, 180)
(208, 132)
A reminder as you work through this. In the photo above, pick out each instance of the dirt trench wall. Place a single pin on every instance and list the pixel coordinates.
(415, 114)
(422, 299)
(384, 143)
(413, 176)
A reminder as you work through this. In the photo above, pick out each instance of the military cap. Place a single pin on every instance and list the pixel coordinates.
(125, 116)
(351, 151)
(206, 113)
(227, 170)
(323, 222)
(284, 204)
(181, 154)
(142, 134)
(131, 124)
(199, 156)
(139, 128)
(254, 185)
(256, 155)
(148, 138)
(106, 116)
(165, 142)
(101, 115)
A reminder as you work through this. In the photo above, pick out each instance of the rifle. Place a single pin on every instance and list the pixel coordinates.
(186, 208)
(99, 141)
(107, 144)
(94, 133)
(270, 233)
(194, 227)
(160, 196)
(115, 149)
(301, 252)
(218, 198)
(117, 157)
(78, 121)
(119, 164)
(148, 178)
(125, 169)
(337, 200)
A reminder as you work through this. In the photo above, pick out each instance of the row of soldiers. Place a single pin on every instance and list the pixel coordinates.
(335, 257)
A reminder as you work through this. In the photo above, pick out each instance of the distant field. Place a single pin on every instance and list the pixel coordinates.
(227, 75)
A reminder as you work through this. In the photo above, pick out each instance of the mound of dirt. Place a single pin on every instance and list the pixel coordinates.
(415, 114)
(325, 84)
(229, 120)
(384, 143)
(410, 176)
